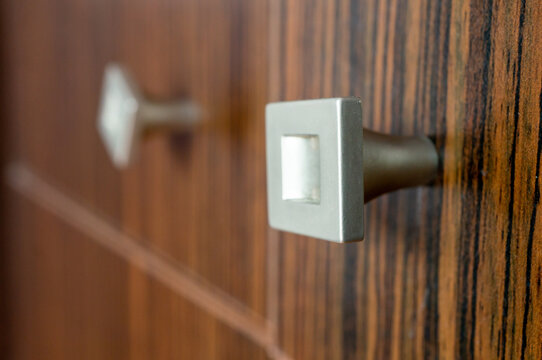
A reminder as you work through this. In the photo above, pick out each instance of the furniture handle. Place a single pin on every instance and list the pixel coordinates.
(125, 115)
(322, 166)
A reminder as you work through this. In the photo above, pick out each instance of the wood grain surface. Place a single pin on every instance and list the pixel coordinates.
(452, 271)
(197, 198)
(3, 225)
(71, 298)
(168, 258)
(173, 257)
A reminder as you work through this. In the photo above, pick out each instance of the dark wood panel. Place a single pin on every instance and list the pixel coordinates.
(69, 298)
(3, 155)
(199, 198)
(451, 271)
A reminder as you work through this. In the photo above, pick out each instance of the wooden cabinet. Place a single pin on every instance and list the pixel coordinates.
(173, 257)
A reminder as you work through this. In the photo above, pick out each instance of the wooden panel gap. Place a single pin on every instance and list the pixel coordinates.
(232, 312)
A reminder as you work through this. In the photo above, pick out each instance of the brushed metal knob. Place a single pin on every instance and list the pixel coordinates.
(125, 115)
(322, 166)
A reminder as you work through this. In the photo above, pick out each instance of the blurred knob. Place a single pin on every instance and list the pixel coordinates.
(125, 115)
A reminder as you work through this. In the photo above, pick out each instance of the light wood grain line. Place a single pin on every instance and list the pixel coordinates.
(183, 282)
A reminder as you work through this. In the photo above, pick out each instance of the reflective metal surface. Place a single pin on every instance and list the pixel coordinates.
(300, 155)
(125, 115)
(393, 162)
(326, 198)
(322, 166)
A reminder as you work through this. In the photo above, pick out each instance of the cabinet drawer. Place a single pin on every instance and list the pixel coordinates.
(197, 198)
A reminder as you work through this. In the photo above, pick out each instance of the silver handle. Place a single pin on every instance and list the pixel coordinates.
(125, 115)
(322, 166)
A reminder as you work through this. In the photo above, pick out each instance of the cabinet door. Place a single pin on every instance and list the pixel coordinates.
(450, 271)
(165, 259)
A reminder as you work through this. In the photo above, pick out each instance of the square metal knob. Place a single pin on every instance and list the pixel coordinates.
(125, 114)
(315, 168)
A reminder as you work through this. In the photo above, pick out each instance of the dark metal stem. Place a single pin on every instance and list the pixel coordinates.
(393, 162)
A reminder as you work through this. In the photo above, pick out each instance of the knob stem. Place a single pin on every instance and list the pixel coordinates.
(393, 162)
(167, 116)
